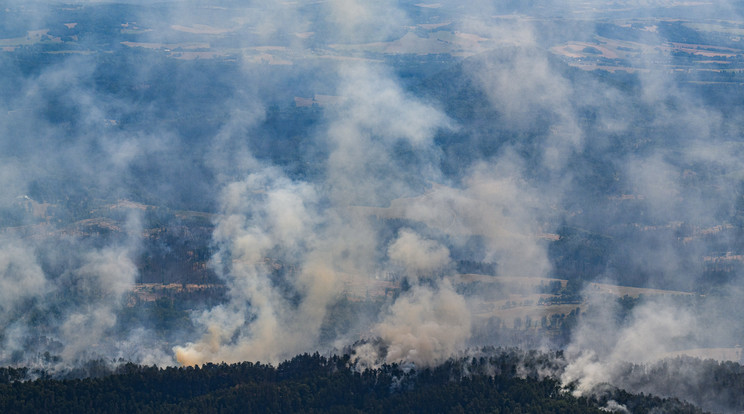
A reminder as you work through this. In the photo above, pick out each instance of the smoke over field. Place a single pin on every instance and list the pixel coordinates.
(405, 182)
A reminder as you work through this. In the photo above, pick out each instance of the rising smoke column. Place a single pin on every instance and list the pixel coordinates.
(685, 176)
(263, 320)
(286, 244)
(374, 123)
(68, 286)
(73, 314)
(317, 232)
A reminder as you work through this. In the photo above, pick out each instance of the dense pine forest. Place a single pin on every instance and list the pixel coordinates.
(507, 381)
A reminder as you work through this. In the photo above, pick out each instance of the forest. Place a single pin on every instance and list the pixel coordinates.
(499, 381)
(368, 198)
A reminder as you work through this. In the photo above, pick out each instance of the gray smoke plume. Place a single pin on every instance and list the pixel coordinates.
(426, 327)
(356, 164)
(268, 214)
(417, 256)
(97, 286)
(264, 214)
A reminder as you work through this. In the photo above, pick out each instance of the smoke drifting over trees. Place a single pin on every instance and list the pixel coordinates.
(332, 165)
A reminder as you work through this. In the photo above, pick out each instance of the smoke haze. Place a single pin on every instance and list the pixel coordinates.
(403, 181)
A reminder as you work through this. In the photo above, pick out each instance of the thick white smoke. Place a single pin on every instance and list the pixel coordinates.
(416, 255)
(78, 331)
(265, 214)
(325, 232)
(270, 317)
(601, 345)
(21, 278)
(397, 191)
(105, 277)
(425, 326)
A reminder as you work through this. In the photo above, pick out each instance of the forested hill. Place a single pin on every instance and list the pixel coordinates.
(313, 383)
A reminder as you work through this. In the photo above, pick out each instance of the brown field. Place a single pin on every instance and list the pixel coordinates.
(575, 50)
(521, 305)
(712, 27)
(32, 37)
(200, 29)
(613, 48)
(440, 42)
(535, 312)
(621, 291)
(171, 46)
(150, 292)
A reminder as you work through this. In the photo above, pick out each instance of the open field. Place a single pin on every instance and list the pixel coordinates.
(150, 292)
(718, 354)
(526, 302)
(621, 291)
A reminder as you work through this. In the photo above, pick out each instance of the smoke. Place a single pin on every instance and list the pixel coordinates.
(311, 228)
(416, 255)
(615, 407)
(22, 278)
(265, 319)
(600, 346)
(73, 313)
(104, 276)
(361, 21)
(413, 204)
(425, 327)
